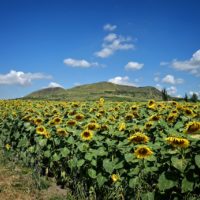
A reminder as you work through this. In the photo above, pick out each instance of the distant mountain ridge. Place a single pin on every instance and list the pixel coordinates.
(94, 91)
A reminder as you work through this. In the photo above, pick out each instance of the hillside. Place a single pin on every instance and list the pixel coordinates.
(109, 91)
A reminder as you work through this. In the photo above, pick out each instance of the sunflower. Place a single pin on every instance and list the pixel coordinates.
(188, 112)
(57, 120)
(178, 142)
(87, 135)
(104, 127)
(38, 121)
(143, 152)
(8, 146)
(154, 118)
(122, 126)
(129, 117)
(171, 117)
(71, 123)
(148, 125)
(41, 130)
(193, 127)
(79, 117)
(47, 134)
(92, 126)
(115, 177)
(134, 108)
(61, 132)
(151, 104)
(138, 138)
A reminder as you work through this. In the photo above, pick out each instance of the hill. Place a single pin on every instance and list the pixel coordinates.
(109, 91)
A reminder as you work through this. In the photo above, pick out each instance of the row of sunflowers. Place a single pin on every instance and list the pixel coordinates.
(124, 150)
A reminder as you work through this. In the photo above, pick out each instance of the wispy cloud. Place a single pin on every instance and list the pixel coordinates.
(134, 66)
(21, 78)
(109, 27)
(112, 43)
(121, 81)
(54, 84)
(172, 80)
(79, 63)
(192, 65)
(172, 90)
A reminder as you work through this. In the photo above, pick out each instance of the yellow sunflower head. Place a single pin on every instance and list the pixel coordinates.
(188, 112)
(148, 125)
(115, 177)
(38, 121)
(87, 135)
(178, 142)
(57, 120)
(143, 152)
(79, 117)
(92, 126)
(138, 138)
(61, 132)
(122, 126)
(8, 146)
(71, 123)
(154, 118)
(129, 117)
(171, 117)
(151, 104)
(41, 130)
(193, 127)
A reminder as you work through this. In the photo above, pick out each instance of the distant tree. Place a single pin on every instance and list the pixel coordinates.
(164, 95)
(194, 97)
(186, 97)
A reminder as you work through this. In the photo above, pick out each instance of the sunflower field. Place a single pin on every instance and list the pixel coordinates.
(108, 150)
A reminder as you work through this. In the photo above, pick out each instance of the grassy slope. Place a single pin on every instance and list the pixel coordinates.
(94, 91)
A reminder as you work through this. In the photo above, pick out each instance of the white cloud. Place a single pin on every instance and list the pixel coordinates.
(171, 80)
(53, 85)
(110, 37)
(192, 65)
(192, 92)
(163, 63)
(20, 78)
(156, 79)
(121, 80)
(109, 27)
(134, 66)
(171, 90)
(159, 87)
(79, 63)
(113, 43)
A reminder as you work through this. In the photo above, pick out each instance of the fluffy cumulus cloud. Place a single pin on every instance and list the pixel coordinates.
(54, 84)
(21, 78)
(172, 90)
(109, 27)
(134, 66)
(121, 80)
(79, 63)
(172, 80)
(192, 65)
(112, 43)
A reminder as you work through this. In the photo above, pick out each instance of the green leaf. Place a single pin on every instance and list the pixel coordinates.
(197, 160)
(148, 196)
(71, 140)
(108, 166)
(42, 142)
(134, 182)
(47, 154)
(88, 156)
(119, 165)
(179, 164)
(101, 180)
(55, 157)
(128, 157)
(80, 163)
(92, 173)
(65, 151)
(187, 186)
(166, 181)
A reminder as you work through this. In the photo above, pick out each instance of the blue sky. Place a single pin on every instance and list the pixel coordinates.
(142, 43)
